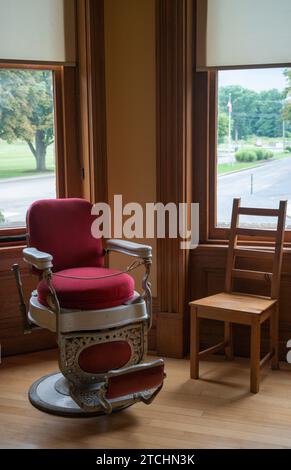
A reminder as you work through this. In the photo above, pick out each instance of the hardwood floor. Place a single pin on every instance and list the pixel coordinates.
(215, 412)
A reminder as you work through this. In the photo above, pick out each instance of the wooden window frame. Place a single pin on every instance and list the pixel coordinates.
(68, 167)
(205, 162)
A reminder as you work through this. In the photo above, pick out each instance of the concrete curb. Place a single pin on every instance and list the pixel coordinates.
(247, 169)
(26, 178)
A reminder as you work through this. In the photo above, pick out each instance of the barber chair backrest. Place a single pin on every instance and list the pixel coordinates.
(62, 227)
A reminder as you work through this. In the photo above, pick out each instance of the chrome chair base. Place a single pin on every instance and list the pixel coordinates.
(51, 395)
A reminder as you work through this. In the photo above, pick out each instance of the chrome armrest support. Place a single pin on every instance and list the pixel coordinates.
(55, 304)
(43, 262)
(146, 290)
(26, 324)
(145, 253)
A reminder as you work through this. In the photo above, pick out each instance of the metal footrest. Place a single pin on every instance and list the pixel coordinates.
(51, 394)
(120, 389)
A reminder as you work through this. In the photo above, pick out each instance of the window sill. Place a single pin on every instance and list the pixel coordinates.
(223, 245)
(12, 239)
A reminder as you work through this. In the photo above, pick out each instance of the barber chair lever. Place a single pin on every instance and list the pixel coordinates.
(27, 326)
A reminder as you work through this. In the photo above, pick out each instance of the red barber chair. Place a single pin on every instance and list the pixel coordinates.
(101, 322)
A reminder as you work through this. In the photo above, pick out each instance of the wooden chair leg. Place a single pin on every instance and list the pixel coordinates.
(255, 356)
(274, 338)
(194, 346)
(228, 337)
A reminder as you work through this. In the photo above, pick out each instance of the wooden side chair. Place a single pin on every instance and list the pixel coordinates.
(246, 309)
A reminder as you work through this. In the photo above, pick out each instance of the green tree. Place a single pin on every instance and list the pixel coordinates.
(26, 110)
(222, 126)
(243, 109)
(269, 114)
(287, 95)
(253, 113)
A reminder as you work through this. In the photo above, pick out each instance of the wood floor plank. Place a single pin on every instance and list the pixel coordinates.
(217, 411)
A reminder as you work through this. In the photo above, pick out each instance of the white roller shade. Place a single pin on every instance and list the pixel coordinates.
(234, 33)
(37, 30)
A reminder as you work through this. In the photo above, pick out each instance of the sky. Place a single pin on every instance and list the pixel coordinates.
(254, 79)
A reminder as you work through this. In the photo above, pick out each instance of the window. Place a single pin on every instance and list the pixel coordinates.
(253, 142)
(27, 142)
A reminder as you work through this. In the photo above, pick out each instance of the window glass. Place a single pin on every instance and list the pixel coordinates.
(27, 152)
(253, 142)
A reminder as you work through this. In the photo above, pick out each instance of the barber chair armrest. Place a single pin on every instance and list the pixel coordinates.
(39, 259)
(129, 248)
(144, 252)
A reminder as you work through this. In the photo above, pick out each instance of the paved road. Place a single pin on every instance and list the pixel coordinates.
(16, 195)
(271, 182)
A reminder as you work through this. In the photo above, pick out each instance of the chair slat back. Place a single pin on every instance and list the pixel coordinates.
(275, 255)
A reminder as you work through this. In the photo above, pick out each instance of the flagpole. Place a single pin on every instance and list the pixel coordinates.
(229, 122)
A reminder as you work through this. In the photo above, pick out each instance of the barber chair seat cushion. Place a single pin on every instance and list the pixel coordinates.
(88, 294)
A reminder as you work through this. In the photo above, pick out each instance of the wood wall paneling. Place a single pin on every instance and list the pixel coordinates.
(68, 164)
(131, 112)
(12, 339)
(201, 150)
(174, 137)
(92, 98)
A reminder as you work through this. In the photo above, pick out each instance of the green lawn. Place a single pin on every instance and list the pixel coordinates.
(17, 160)
(224, 168)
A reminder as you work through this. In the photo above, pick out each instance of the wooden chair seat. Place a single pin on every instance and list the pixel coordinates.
(225, 303)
